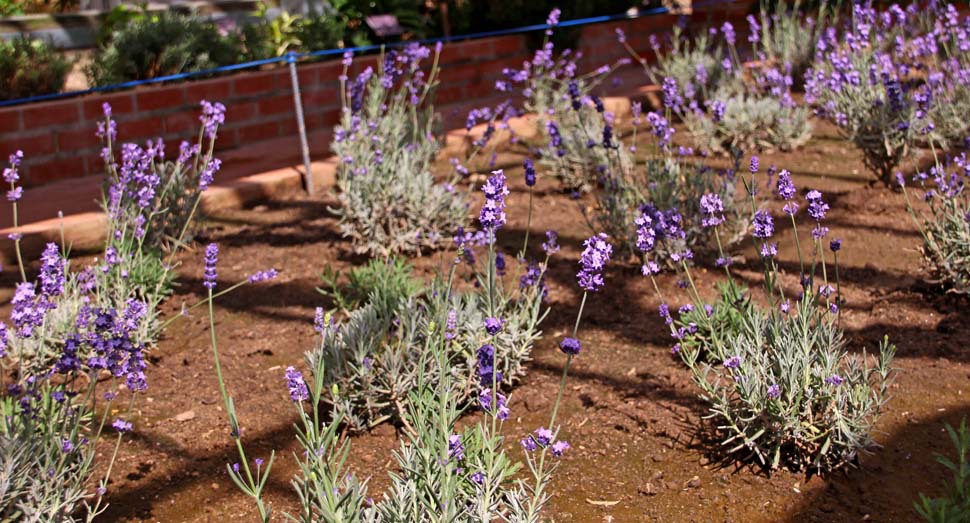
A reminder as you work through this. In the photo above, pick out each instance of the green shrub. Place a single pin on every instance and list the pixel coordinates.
(955, 505)
(158, 45)
(30, 67)
(390, 277)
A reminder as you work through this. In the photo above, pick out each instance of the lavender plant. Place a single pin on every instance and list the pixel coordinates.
(780, 385)
(152, 199)
(565, 110)
(391, 277)
(389, 201)
(728, 110)
(861, 87)
(698, 64)
(77, 342)
(445, 472)
(374, 358)
(751, 122)
(945, 222)
(665, 178)
(936, 50)
(784, 36)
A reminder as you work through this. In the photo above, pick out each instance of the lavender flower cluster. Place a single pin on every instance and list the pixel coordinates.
(861, 81)
(390, 202)
(777, 367)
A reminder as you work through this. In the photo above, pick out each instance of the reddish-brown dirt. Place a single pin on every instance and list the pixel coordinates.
(630, 411)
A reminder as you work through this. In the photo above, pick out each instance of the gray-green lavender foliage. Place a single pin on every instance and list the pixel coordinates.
(724, 103)
(945, 222)
(665, 179)
(375, 356)
(954, 506)
(781, 387)
(862, 88)
(784, 34)
(390, 277)
(389, 201)
(39, 480)
(77, 342)
(750, 122)
(444, 472)
(565, 110)
(696, 62)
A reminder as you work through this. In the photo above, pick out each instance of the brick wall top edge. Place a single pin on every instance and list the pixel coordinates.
(257, 100)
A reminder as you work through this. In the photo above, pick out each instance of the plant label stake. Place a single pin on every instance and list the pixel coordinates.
(291, 58)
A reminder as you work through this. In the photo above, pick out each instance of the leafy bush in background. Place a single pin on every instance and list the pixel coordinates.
(160, 44)
(468, 16)
(29, 68)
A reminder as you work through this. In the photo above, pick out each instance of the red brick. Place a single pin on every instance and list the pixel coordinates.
(74, 140)
(477, 90)
(331, 118)
(227, 139)
(217, 90)
(9, 120)
(241, 112)
(509, 45)
(93, 164)
(315, 120)
(33, 146)
(254, 83)
(306, 74)
(46, 114)
(475, 48)
(275, 105)
(321, 98)
(182, 123)
(328, 72)
(492, 70)
(288, 127)
(52, 170)
(448, 93)
(449, 53)
(459, 73)
(121, 103)
(153, 98)
(140, 129)
(257, 132)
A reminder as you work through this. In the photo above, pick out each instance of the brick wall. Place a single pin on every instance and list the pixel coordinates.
(58, 137)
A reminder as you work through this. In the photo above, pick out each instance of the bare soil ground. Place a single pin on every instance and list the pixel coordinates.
(630, 412)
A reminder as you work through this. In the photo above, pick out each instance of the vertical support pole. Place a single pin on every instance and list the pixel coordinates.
(300, 124)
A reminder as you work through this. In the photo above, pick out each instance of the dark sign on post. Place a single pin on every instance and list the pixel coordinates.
(384, 25)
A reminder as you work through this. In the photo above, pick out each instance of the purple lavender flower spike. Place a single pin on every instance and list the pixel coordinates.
(296, 385)
(211, 258)
(592, 261)
(492, 216)
(570, 346)
(559, 447)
